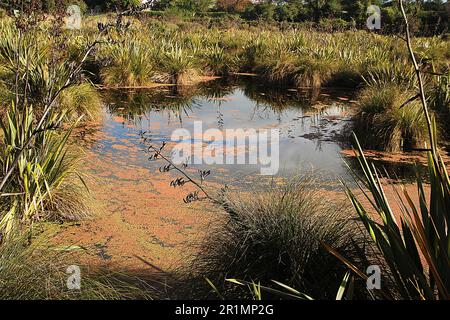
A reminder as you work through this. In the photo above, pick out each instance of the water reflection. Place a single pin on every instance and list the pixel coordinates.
(310, 124)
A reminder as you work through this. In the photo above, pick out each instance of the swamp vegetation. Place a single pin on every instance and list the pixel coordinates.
(291, 238)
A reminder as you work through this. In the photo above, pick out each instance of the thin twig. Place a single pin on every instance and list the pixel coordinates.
(199, 186)
(421, 86)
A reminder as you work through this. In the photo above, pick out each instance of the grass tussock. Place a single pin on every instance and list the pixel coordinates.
(384, 121)
(178, 64)
(81, 100)
(39, 272)
(277, 235)
(440, 94)
(131, 64)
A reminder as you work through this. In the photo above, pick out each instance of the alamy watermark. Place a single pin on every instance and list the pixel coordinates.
(74, 17)
(74, 279)
(374, 277)
(230, 146)
(374, 19)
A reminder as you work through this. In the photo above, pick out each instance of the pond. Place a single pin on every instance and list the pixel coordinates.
(141, 215)
(309, 124)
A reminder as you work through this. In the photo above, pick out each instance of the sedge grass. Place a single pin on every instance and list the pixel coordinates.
(276, 235)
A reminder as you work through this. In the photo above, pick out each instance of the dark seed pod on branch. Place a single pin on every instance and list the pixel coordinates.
(166, 168)
(191, 197)
(178, 182)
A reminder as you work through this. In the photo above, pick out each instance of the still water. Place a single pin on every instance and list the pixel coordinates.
(142, 215)
(310, 124)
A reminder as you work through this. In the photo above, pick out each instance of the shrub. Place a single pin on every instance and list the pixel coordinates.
(440, 94)
(216, 60)
(178, 63)
(260, 11)
(331, 25)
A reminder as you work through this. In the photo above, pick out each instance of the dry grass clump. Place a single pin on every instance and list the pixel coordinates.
(39, 272)
(81, 100)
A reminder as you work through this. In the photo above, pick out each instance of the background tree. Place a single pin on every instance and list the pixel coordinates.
(195, 6)
(233, 6)
(260, 11)
(319, 9)
(293, 10)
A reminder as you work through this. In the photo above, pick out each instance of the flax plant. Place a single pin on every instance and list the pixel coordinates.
(415, 238)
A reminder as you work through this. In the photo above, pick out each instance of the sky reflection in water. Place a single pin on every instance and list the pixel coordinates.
(309, 130)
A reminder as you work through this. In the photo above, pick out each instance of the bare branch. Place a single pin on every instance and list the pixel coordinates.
(159, 154)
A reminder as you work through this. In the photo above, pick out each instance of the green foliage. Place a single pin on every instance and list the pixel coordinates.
(197, 6)
(261, 11)
(414, 239)
(440, 94)
(81, 100)
(216, 60)
(131, 64)
(34, 50)
(184, 7)
(178, 63)
(116, 4)
(38, 272)
(386, 123)
(44, 183)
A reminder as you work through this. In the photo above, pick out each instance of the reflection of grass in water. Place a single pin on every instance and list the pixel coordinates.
(276, 99)
(134, 104)
(407, 172)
